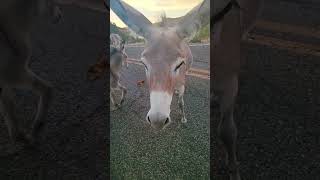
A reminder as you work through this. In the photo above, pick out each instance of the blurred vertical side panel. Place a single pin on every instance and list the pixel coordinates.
(71, 55)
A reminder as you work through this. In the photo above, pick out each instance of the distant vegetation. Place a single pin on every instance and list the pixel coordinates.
(202, 35)
(125, 34)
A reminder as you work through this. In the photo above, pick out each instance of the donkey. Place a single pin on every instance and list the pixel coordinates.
(118, 58)
(16, 20)
(118, 43)
(166, 56)
(230, 21)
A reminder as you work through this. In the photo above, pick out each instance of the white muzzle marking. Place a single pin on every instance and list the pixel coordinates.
(159, 113)
(160, 102)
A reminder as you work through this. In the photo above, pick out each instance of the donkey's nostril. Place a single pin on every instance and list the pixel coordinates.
(149, 120)
(167, 121)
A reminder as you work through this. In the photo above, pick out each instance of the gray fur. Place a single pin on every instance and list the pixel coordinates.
(118, 57)
(226, 62)
(16, 21)
(166, 50)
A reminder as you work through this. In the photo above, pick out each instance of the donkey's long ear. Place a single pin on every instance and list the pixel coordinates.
(132, 18)
(106, 4)
(199, 16)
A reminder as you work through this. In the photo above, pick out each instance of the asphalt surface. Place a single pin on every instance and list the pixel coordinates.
(73, 141)
(277, 111)
(181, 151)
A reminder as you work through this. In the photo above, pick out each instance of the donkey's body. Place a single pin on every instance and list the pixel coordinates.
(166, 56)
(227, 34)
(17, 18)
(118, 43)
(114, 60)
(118, 58)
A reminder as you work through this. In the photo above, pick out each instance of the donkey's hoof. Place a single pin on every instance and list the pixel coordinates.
(234, 173)
(116, 107)
(33, 136)
(183, 120)
(30, 139)
(23, 137)
(225, 160)
(37, 129)
(235, 176)
(12, 149)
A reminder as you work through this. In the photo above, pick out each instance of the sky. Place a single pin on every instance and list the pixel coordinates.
(153, 9)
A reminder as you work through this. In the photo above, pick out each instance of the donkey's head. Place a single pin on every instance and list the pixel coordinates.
(166, 56)
(97, 70)
(50, 9)
(118, 57)
(115, 60)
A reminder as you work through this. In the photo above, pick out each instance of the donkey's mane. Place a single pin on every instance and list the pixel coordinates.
(163, 20)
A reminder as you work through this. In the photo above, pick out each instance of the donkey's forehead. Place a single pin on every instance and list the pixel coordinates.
(165, 44)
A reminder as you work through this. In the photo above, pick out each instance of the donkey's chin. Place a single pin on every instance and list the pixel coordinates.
(158, 122)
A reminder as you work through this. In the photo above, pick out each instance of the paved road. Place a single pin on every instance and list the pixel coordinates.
(181, 151)
(73, 145)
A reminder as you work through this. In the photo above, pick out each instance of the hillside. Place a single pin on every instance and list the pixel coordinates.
(124, 33)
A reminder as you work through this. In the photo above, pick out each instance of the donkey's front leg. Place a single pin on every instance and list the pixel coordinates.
(114, 106)
(227, 129)
(123, 93)
(125, 62)
(44, 90)
(7, 109)
(181, 103)
(24, 78)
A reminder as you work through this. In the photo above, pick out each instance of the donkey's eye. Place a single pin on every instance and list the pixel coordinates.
(177, 67)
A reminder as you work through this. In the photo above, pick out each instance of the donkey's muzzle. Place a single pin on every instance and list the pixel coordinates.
(158, 120)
